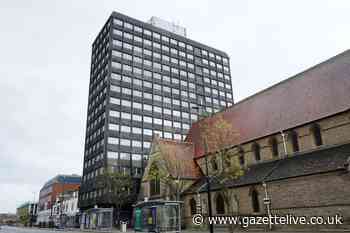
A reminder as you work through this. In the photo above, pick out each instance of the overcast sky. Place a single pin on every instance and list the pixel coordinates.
(45, 61)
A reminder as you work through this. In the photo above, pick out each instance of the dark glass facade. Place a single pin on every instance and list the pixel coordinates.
(144, 81)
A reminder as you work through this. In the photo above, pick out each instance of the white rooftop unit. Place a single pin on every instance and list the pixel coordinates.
(172, 27)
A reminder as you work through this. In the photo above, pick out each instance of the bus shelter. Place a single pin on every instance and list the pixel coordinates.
(157, 216)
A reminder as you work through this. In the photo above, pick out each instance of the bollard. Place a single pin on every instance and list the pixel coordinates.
(123, 226)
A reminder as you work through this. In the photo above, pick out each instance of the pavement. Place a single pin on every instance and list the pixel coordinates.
(6, 229)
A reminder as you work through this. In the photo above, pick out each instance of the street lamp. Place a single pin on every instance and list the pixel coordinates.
(267, 202)
(207, 178)
(284, 143)
(62, 199)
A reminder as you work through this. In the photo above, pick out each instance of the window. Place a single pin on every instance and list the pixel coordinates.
(137, 93)
(126, 116)
(137, 39)
(127, 36)
(114, 113)
(274, 146)
(316, 133)
(147, 84)
(147, 132)
(147, 95)
(147, 32)
(112, 140)
(137, 71)
(115, 88)
(113, 126)
(193, 206)
(147, 52)
(146, 144)
(115, 76)
(220, 204)
(136, 117)
(116, 53)
(128, 26)
(214, 165)
(147, 107)
(117, 22)
(136, 130)
(125, 129)
(256, 151)
(241, 156)
(255, 201)
(177, 124)
(157, 121)
(157, 87)
(113, 100)
(294, 139)
(157, 109)
(168, 135)
(136, 143)
(117, 32)
(125, 142)
(126, 91)
(137, 29)
(167, 123)
(126, 103)
(147, 73)
(147, 119)
(112, 155)
(156, 35)
(116, 65)
(155, 186)
(137, 49)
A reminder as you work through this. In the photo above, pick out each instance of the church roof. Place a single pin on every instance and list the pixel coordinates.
(178, 156)
(322, 160)
(316, 93)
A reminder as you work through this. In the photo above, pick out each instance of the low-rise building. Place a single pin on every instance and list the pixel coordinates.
(49, 194)
(27, 213)
(65, 212)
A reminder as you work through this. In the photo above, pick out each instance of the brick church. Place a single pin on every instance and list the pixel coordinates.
(291, 140)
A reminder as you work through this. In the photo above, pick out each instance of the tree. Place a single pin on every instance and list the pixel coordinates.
(217, 135)
(24, 216)
(118, 187)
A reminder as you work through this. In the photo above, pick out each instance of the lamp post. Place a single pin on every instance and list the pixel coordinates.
(284, 143)
(267, 202)
(61, 206)
(210, 211)
(207, 178)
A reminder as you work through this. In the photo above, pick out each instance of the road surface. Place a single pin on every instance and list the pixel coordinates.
(7, 229)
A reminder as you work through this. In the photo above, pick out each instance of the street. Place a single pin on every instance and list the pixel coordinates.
(7, 229)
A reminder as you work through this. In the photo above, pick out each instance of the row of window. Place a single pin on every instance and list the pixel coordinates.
(273, 143)
(147, 107)
(211, 69)
(222, 208)
(167, 79)
(146, 73)
(165, 58)
(150, 132)
(175, 91)
(166, 39)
